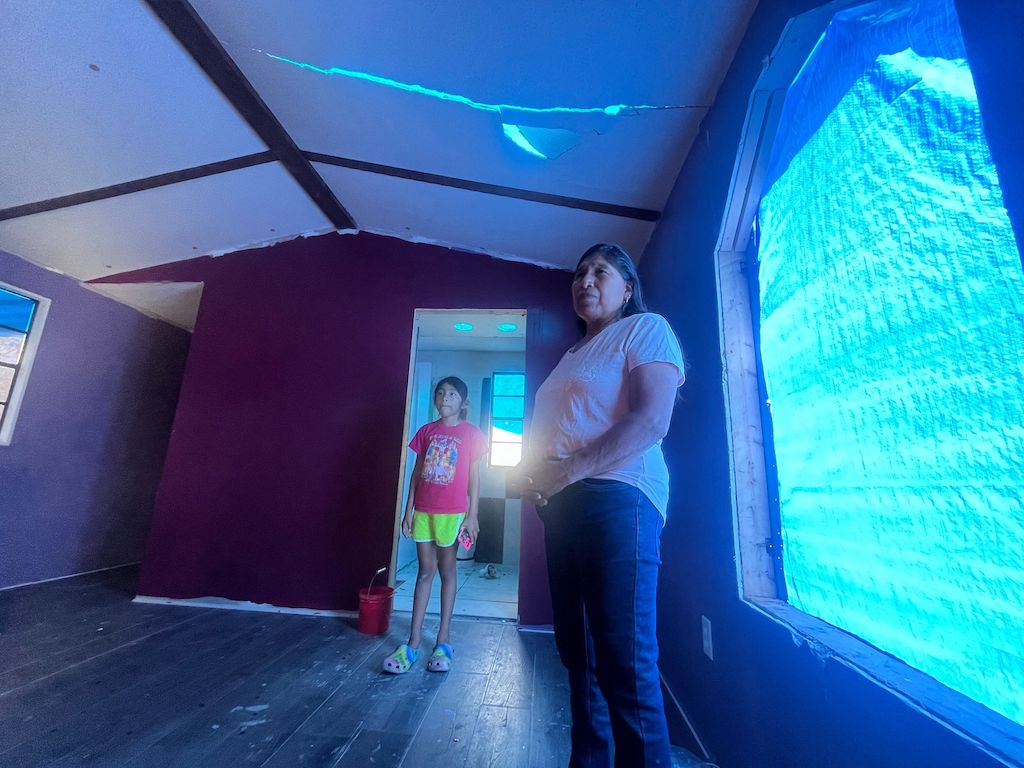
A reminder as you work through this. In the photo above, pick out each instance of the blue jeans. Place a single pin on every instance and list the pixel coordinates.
(603, 549)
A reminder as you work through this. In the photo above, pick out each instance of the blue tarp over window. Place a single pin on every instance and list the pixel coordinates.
(892, 346)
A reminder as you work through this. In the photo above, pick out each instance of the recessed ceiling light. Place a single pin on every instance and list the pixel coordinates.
(507, 327)
(464, 327)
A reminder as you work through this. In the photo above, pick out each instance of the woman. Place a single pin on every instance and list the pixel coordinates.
(598, 477)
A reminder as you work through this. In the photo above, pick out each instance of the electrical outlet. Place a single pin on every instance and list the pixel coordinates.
(705, 636)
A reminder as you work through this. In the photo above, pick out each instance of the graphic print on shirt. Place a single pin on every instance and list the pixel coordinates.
(441, 459)
(587, 371)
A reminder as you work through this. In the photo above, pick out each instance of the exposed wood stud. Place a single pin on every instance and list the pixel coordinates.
(625, 211)
(193, 34)
(137, 185)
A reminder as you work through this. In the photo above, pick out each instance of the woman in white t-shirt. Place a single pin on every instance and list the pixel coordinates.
(596, 472)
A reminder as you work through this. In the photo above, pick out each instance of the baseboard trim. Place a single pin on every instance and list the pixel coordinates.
(705, 754)
(72, 575)
(224, 603)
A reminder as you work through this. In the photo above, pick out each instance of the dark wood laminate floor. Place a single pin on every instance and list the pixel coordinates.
(88, 678)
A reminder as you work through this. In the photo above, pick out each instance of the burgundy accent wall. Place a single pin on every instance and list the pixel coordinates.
(283, 466)
(767, 700)
(78, 481)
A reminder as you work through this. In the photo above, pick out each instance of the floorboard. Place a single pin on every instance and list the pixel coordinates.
(501, 737)
(45, 662)
(80, 608)
(510, 681)
(550, 721)
(90, 679)
(136, 697)
(445, 733)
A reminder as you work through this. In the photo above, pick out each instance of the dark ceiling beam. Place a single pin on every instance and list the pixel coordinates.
(191, 31)
(625, 211)
(138, 185)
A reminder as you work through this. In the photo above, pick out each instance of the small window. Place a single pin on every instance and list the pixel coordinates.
(508, 403)
(21, 318)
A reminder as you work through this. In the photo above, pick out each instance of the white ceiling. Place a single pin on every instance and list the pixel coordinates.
(574, 54)
(437, 331)
(216, 214)
(176, 303)
(500, 226)
(101, 94)
(146, 109)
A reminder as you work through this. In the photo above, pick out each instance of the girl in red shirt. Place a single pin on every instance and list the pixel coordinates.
(441, 510)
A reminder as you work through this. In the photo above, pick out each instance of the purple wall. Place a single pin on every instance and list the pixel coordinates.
(765, 700)
(282, 470)
(78, 481)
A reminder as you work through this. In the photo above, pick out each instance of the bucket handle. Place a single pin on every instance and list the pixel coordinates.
(378, 573)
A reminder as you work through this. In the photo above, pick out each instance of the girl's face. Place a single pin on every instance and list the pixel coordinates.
(599, 292)
(448, 401)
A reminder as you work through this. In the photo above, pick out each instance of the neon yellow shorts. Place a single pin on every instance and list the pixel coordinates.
(440, 529)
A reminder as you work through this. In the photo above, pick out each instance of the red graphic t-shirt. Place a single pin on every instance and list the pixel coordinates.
(447, 453)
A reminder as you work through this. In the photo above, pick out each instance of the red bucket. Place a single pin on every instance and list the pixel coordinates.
(375, 610)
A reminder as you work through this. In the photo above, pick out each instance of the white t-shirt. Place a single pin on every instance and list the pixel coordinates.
(588, 392)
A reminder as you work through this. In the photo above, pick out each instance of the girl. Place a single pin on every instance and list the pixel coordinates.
(447, 470)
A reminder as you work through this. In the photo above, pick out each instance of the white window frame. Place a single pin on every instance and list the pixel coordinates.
(755, 561)
(490, 418)
(28, 357)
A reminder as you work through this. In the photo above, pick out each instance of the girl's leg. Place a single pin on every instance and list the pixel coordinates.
(427, 555)
(446, 564)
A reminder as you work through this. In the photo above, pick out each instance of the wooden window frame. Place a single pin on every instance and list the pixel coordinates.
(759, 579)
(23, 368)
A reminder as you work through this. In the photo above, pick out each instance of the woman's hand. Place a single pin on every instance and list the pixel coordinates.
(407, 525)
(536, 482)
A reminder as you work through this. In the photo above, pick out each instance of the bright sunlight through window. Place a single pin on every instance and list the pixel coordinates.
(508, 403)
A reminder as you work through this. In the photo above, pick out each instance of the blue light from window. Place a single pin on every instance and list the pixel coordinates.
(515, 134)
(510, 384)
(16, 311)
(553, 141)
(892, 343)
(464, 327)
(508, 403)
(507, 327)
(611, 110)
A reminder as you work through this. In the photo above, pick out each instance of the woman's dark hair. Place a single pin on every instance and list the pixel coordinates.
(617, 256)
(459, 386)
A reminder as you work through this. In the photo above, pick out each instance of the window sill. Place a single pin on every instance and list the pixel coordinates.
(975, 723)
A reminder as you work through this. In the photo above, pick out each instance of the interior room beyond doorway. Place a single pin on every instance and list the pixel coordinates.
(487, 350)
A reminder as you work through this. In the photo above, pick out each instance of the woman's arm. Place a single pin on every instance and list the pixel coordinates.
(652, 392)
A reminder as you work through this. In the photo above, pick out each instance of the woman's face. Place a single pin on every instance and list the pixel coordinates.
(599, 292)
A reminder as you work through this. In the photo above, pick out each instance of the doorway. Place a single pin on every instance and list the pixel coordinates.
(487, 350)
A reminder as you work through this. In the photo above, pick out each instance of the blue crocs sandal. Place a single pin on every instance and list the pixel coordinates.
(441, 659)
(398, 663)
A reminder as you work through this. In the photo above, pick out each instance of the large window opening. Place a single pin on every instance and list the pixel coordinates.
(21, 323)
(888, 309)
